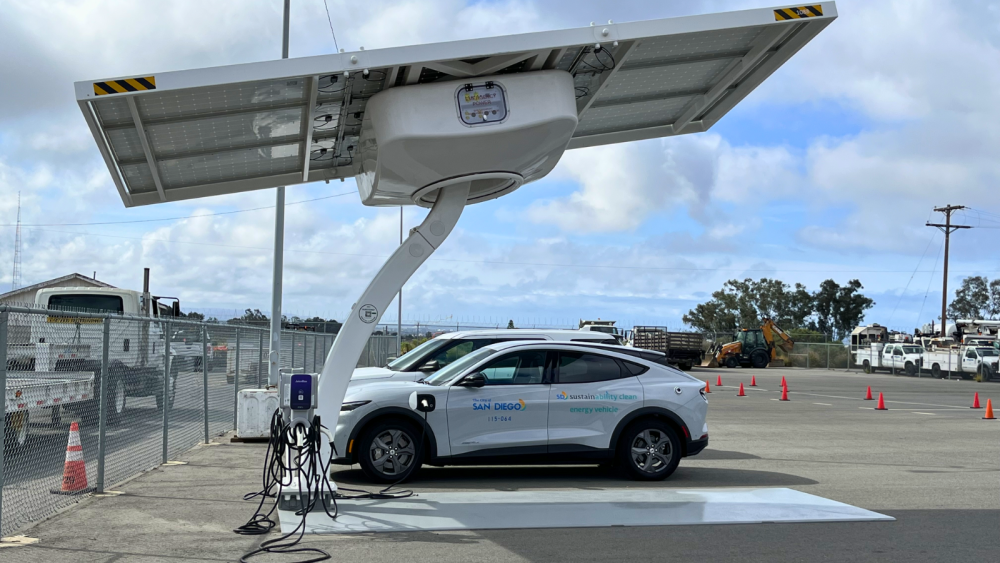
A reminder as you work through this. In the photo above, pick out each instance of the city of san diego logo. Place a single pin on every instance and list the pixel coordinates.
(488, 405)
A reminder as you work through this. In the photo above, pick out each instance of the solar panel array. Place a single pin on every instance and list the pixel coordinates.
(188, 134)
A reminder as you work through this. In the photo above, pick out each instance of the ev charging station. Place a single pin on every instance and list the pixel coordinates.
(440, 126)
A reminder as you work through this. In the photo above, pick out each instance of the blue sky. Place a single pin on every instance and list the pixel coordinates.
(828, 170)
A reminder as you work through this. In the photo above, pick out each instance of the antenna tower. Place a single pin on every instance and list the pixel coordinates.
(16, 283)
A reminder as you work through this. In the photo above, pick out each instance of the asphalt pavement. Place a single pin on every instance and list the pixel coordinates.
(929, 461)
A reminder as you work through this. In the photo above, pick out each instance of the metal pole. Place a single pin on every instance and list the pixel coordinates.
(260, 355)
(102, 405)
(166, 385)
(236, 382)
(4, 316)
(315, 340)
(399, 301)
(204, 376)
(293, 352)
(273, 376)
(944, 283)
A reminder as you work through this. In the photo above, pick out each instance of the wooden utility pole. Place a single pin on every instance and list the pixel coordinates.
(947, 229)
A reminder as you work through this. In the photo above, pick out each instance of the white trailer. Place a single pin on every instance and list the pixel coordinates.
(26, 392)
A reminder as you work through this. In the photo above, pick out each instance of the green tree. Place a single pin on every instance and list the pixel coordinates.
(746, 303)
(510, 323)
(838, 309)
(977, 298)
(194, 316)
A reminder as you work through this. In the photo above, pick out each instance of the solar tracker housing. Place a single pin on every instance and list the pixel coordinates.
(179, 135)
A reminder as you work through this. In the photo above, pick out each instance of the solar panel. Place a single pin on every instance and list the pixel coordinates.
(187, 134)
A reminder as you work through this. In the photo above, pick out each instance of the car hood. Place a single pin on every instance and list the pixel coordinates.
(371, 373)
(385, 391)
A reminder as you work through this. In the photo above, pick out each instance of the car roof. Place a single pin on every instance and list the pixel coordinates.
(555, 334)
(648, 355)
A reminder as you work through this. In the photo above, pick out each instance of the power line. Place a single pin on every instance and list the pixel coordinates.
(493, 262)
(947, 229)
(328, 19)
(174, 218)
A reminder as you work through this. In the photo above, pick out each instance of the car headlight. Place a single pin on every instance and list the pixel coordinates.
(348, 407)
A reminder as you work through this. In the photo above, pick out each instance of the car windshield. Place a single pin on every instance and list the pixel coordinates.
(410, 359)
(912, 350)
(446, 374)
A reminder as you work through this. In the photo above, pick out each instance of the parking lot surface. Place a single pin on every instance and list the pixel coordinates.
(929, 461)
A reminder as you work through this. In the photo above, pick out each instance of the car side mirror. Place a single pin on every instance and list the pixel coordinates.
(475, 380)
(432, 365)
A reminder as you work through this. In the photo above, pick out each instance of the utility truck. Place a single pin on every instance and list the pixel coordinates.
(58, 361)
(875, 349)
(968, 361)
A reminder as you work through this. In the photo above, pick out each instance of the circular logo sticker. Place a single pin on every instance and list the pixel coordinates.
(368, 313)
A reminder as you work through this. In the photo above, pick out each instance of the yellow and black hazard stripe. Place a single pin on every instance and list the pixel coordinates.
(125, 85)
(783, 14)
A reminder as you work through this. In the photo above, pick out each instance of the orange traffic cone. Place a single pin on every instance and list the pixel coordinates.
(753, 381)
(708, 389)
(975, 402)
(783, 384)
(868, 396)
(74, 481)
(741, 393)
(881, 403)
(989, 410)
(784, 393)
(718, 382)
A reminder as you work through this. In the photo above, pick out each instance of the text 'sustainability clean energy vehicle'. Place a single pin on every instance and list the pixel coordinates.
(526, 403)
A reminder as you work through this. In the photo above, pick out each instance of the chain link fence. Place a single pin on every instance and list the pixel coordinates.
(103, 376)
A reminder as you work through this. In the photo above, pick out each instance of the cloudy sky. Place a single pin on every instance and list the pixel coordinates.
(828, 170)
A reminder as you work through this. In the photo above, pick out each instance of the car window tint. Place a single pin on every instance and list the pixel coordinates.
(522, 368)
(452, 353)
(575, 367)
(634, 368)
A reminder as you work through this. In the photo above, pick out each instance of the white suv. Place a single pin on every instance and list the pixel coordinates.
(528, 402)
(438, 352)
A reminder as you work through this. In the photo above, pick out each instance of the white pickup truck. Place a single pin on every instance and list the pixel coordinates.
(967, 361)
(893, 357)
(59, 364)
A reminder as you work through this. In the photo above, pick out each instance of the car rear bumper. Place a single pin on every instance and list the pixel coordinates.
(694, 447)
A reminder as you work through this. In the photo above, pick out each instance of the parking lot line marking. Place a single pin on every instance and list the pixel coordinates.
(824, 404)
(859, 399)
(927, 413)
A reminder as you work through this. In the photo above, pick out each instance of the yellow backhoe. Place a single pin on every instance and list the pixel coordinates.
(754, 347)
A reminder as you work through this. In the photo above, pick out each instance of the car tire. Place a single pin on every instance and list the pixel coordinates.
(910, 368)
(389, 451)
(759, 359)
(936, 371)
(649, 450)
(867, 367)
(172, 392)
(987, 373)
(685, 366)
(731, 362)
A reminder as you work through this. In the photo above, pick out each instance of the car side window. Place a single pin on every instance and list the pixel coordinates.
(521, 368)
(452, 353)
(577, 367)
(971, 355)
(634, 368)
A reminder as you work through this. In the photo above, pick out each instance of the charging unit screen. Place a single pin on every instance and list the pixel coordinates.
(301, 392)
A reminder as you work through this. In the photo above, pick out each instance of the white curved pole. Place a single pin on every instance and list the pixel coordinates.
(358, 327)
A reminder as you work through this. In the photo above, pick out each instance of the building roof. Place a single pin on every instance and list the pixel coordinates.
(55, 282)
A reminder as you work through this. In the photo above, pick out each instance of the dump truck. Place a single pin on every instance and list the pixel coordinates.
(683, 349)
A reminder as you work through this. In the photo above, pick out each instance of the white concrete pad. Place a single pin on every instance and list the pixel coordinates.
(578, 509)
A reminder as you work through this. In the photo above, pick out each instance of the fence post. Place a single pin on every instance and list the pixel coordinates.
(4, 316)
(315, 352)
(807, 356)
(260, 355)
(166, 385)
(236, 380)
(293, 352)
(102, 406)
(204, 375)
(827, 355)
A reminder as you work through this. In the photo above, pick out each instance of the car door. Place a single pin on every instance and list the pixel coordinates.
(969, 361)
(506, 416)
(590, 393)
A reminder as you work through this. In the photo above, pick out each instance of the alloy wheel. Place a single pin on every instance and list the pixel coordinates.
(392, 452)
(651, 451)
